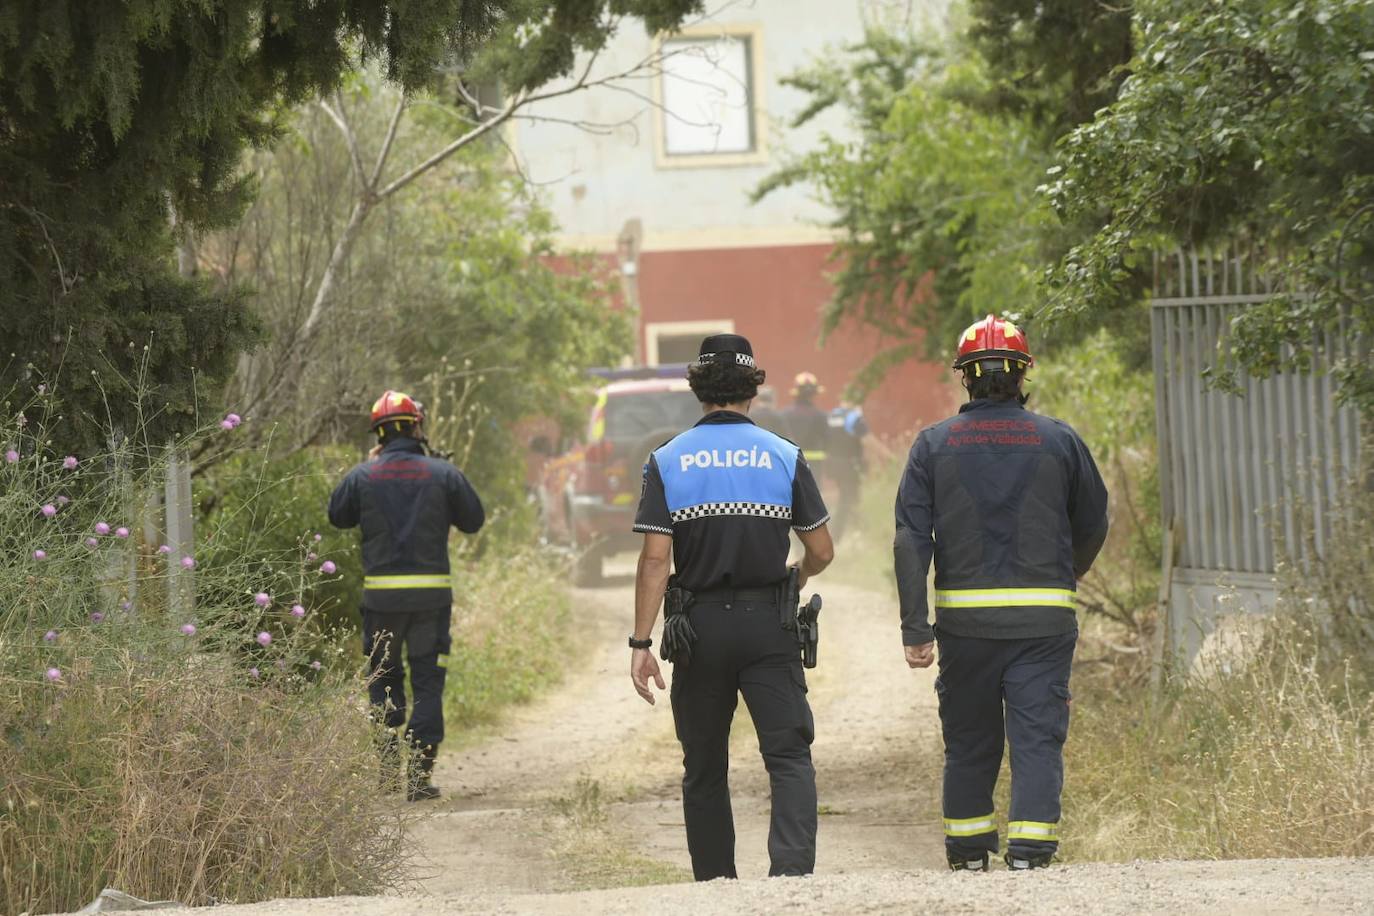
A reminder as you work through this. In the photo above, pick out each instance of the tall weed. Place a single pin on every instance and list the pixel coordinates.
(216, 753)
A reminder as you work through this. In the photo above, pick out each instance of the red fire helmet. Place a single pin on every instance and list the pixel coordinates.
(993, 338)
(396, 405)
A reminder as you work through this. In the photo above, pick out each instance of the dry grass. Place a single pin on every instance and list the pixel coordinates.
(188, 780)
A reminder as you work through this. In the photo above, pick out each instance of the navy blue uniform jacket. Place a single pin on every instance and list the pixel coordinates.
(1013, 510)
(405, 502)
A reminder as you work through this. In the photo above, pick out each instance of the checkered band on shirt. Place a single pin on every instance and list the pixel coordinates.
(763, 510)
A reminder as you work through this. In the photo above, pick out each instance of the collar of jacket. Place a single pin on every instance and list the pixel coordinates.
(989, 404)
(723, 416)
(403, 444)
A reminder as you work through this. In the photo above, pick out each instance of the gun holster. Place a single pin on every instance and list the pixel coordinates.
(678, 636)
(800, 619)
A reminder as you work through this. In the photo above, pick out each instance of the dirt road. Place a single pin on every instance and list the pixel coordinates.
(581, 790)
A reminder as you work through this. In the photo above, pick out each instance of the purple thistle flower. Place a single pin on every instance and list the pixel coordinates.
(164, 549)
(54, 674)
(233, 419)
(262, 599)
(188, 563)
(253, 672)
(315, 665)
(69, 462)
(50, 636)
(225, 425)
(297, 611)
(97, 616)
(40, 554)
(125, 605)
(49, 510)
(102, 528)
(188, 629)
(121, 532)
(311, 557)
(264, 638)
(63, 500)
(318, 537)
(328, 567)
(11, 456)
(92, 542)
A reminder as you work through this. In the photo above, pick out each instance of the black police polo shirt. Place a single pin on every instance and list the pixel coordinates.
(729, 492)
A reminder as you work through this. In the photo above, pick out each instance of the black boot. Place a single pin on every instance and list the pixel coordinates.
(418, 784)
(1017, 863)
(960, 863)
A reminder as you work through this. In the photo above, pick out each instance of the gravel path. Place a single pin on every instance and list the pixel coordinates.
(487, 843)
(1273, 886)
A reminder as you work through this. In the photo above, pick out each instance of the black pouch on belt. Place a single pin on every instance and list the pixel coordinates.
(678, 636)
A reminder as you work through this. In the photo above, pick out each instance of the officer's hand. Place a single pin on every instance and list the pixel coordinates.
(920, 656)
(643, 666)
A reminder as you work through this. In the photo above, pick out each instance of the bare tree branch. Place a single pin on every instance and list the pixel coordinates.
(386, 143)
(350, 136)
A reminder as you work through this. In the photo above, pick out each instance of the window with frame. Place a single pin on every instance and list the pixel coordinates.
(708, 96)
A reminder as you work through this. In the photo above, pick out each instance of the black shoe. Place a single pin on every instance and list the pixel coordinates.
(421, 766)
(1017, 863)
(422, 791)
(961, 864)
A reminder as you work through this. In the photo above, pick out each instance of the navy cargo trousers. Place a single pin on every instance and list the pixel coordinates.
(741, 648)
(421, 637)
(994, 692)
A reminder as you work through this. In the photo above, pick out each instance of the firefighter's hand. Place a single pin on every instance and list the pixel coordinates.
(920, 656)
(374, 451)
(643, 666)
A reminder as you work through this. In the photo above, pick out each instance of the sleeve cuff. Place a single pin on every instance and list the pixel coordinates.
(652, 529)
(917, 637)
(813, 526)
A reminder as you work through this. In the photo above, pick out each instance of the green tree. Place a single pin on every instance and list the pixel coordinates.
(452, 292)
(124, 126)
(1247, 121)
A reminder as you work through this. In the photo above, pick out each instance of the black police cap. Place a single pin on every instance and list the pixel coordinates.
(726, 348)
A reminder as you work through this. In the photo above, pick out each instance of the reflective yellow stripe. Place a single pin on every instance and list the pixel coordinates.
(376, 582)
(970, 826)
(813, 455)
(1033, 830)
(1004, 597)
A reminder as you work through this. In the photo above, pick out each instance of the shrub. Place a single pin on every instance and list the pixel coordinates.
(173, 754)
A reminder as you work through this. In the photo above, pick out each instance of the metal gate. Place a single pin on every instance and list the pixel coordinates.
(1243, 477)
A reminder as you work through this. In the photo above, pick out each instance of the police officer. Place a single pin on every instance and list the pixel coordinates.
(1014, 511)
(845, 460)
(405, 502)
(718, 503)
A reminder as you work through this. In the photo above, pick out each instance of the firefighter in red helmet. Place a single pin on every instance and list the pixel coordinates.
(405, 500)
(1012, 510)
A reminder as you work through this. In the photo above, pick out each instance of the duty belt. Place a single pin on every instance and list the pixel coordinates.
(441, 580)
(731, 595)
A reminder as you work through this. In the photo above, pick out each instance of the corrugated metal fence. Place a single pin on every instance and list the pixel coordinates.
(1237, 471)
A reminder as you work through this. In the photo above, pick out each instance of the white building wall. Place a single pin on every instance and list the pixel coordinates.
(598, 153)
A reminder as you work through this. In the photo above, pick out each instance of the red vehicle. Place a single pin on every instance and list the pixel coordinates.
(588, 495)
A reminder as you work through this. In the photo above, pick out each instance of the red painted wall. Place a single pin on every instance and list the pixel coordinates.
(775, 296)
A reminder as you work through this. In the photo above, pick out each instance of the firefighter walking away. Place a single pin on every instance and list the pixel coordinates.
(1011, 507)
(405, 500)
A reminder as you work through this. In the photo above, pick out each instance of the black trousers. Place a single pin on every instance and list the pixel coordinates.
(423, 636)
(742, 649)
(991, 690)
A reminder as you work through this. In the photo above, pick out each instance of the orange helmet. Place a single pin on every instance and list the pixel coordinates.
(806, 383)
(993, 338)
(396, 406)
